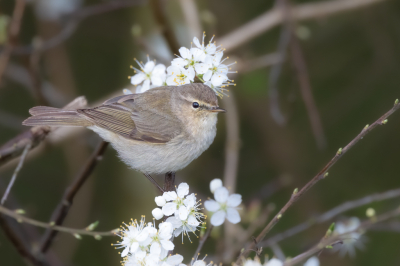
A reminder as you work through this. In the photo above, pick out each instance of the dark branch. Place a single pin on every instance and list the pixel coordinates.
(66, 202)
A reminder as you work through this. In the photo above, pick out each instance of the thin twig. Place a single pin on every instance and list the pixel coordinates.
(159, 14)
(329, 241)
(154, 182)
(274, 17)
(295, 196)
(22, 219)
(344, 207)
(12, 35)
(60, 213)
(18, 243)
(203, 240)
(73, 21)
(300, 66)
(169, 181)
(17, 169)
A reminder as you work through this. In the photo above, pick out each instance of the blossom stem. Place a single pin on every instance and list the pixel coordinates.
(203, 240)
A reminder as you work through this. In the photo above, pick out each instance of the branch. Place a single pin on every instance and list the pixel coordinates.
(339, 238)
(12, 35)
(33, 136)
(202, 241)
(274, 17)
(166, 28)
(323, 173)
(14, 176)
(60, 213)
(344, 207)
(73, 21)
(22, 219)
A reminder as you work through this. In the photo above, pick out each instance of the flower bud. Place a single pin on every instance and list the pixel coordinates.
(160, 201)
(214, 184)
(157, 213)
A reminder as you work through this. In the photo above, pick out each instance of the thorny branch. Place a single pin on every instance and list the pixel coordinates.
(22, 219)
(323, 173)
(349, 205)
(65, 204)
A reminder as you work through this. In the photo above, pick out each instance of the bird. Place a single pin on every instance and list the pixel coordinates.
(161, 130)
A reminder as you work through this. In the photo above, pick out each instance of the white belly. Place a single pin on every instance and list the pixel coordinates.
(161, 158)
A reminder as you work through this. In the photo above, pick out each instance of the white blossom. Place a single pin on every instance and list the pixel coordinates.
(179, 76)
(273, 262)
(160, 240)
(214, 184)
(157, 213)
(208, 49)
(352, 240)
(149, 73)
(313, 261)
(174, 261)
(133, 235)
(224, 207)
(190, 59)
(160, 201)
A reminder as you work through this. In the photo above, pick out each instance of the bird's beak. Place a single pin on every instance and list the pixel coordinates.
(217, 110)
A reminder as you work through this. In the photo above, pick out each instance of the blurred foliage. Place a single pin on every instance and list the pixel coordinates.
(354, 64)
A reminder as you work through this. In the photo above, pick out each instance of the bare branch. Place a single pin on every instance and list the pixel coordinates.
(274, 17)
(202, 241)
(295, 196)
(191, 15)
(65, 204)
(349, 205)
(162, 21)
(14, 176)
(22, 219)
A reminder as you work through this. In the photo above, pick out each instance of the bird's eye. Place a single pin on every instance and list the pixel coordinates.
(195, 105)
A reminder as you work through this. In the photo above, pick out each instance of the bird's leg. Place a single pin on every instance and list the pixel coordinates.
(169, 182)
(154, 182)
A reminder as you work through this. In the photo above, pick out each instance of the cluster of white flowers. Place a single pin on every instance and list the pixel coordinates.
(203, 63)
(313, 261)
(184, 207)
(224, 206)
(143, 244)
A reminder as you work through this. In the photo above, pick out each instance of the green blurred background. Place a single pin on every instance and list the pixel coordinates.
(353, 60)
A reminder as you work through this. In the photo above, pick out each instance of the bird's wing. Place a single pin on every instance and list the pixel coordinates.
(134, 118)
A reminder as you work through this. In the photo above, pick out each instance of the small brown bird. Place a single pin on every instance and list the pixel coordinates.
(161, 130)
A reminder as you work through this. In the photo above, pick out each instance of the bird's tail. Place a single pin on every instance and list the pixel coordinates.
(50, 116)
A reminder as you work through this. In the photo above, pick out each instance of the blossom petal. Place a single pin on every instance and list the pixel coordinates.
(174, 260)
(274, 262)
(232, 215)
(155, 248)
(170, 195)
(148, 67)
(214, 184)
(134, 247)
(190, 200)
(160, 201)
(201, 68)
(185, 53)
(211, 205)
(217, 79)
(167, 245)
(207, 76)
(143, 235)
(234, 200)
(193, 221)
(313, 261)
(179, 62)
(157, 213)
(218, 218)
(138, 78)
(169, 208)
(197, 42)
(183, 190)
(183, 213)
(217, 58)
(159, 69)
(198, 55)
(165, 230)
(125, 252)
(221, 194)
(199, 263)
(191, 74)
(174, 221)
(140, 255)
(146, 85)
